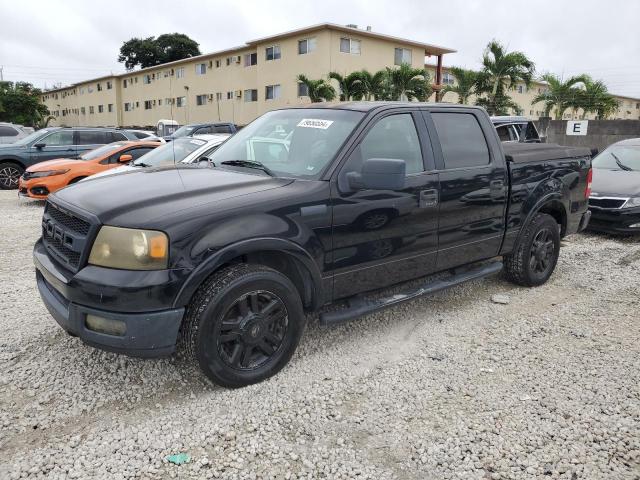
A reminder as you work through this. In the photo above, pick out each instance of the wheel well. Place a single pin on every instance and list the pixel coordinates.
(557, 211)
(289, 266)
(14, 162)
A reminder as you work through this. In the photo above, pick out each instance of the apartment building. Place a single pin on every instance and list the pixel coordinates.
(237, 84)
(628, 107)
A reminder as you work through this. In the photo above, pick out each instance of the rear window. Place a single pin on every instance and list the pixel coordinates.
(462, 141)
(95, 137)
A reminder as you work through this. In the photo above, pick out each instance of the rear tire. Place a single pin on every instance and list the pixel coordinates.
(243, 324)
(535, 256)
(9, 175)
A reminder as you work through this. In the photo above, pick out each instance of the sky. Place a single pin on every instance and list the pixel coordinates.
(50, 41)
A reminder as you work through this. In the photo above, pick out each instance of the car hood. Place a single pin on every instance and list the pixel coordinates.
(615, 183)
(52, 164)
(112, 171)
(137, 198)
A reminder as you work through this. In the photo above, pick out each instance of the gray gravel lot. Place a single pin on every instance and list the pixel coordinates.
(450, 386)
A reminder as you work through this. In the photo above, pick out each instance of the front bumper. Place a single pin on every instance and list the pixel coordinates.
(149, 332)
(615, 221)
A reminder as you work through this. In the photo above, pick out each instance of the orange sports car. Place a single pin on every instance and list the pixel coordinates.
(44, 178)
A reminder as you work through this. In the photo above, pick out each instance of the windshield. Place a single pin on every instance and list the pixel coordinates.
(183, 132)
(290, 143)
(619, 157)
(101, 151)
(169, 153)
(34, 136)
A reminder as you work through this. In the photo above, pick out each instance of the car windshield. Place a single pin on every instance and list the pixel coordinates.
(182, 132)
(290, 143)
(619, 157)
(101, 151)
(169, 153)
(34, 136)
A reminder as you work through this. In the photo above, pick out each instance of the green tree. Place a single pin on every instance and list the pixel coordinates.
(150, 51)
(595, 97)
(318, 90)
(21, 102)
(501, 71)
(346, 84)
(559, 95)
(371, 86)
(465, 86)
(407, 83)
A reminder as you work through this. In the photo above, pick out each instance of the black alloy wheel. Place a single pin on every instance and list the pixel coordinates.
(9, 176)
(542, 252)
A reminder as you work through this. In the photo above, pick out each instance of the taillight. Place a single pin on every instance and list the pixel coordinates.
(587, 191)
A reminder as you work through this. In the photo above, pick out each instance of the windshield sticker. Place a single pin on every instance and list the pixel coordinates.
(315, 123)
(198, 142)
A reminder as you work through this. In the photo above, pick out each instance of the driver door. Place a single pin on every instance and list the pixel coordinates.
(382, 237)
(58, 144)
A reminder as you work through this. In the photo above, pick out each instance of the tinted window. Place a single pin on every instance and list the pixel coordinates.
(461, 138)
(88, 137)
(140, 134)
(222, 129)
(138, 152)
(394, 136)
(531, 132)
(64, 137)
(116, 137)
(202, 131)
(8, 131)
(505, 133)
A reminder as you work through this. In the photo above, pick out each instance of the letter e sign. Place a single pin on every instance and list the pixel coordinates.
(577, 127)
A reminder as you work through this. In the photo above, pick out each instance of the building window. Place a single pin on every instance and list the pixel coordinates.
(250, 59)
(100, 108)
(251, 95)
(81, 92)
(201, 69)
(124, 84)
(521, 89)
(448, 79)
(402, 55)
(271, 92)
(91, 110)
(83, 111)
(146, 79)
(110, 108)
(109, 85)
(127, 107)
(217, 63)
(307, 45)
(349, 45)
(272, 53)
(181, 101)
(219, 96)
(303, 90)
(147, 104)
(180, 72)
(201, 99)
(99, 87)
(229, 95)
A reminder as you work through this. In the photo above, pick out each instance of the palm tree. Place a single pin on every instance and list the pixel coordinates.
(559, 95)
(502, 71)
(346, 84)
(318, 90)
(371, 86)
(407, 83)
(466, 81)
(595, 97)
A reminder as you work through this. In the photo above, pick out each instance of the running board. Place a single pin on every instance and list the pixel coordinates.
(359, 306)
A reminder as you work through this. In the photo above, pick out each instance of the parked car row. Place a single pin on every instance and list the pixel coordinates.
(11, 132)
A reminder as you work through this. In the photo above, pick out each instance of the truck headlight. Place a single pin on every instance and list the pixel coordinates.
(130, 249)
(632, 202)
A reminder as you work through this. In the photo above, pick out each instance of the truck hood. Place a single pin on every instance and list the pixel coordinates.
(615, 183)
(135, 199)
(56, 164)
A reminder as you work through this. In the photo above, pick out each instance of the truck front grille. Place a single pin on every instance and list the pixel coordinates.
(65, 235)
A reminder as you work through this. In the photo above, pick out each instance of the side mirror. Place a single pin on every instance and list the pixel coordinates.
(125, 158)
(40, 146)
(379, 174)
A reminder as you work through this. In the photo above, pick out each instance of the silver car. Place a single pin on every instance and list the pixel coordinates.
(11, 133)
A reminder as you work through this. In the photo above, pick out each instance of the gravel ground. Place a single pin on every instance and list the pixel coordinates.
(544, 384)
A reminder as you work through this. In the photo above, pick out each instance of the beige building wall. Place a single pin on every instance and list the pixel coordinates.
(152, 94)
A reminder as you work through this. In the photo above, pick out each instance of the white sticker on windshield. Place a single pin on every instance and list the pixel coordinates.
(315, 123)
(197, 142)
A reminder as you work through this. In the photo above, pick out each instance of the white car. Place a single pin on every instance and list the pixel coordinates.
(11, 133)
(183, 150)
(147, 136)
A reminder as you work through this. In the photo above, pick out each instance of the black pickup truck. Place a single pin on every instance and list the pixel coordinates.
(303, 208)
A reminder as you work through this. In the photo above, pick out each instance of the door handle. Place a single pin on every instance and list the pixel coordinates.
(429, 198)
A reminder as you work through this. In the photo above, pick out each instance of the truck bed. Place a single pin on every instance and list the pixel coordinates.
(541, 152)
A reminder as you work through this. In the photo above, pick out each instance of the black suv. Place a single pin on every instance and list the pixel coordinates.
(302, 208)
(50, 143)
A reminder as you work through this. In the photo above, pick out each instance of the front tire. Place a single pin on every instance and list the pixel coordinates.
(9, 175)
(243, 324)
(535, 256)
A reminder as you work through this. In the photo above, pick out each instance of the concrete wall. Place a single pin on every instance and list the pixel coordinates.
(600, 133)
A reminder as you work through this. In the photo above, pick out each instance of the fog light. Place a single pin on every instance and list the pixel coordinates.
(105, 325)
(635, 225)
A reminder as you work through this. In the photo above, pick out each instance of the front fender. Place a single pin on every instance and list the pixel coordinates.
(254, 245)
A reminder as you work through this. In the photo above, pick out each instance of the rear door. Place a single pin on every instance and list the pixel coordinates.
(382, 237)
(473, 186)
(57, 144)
